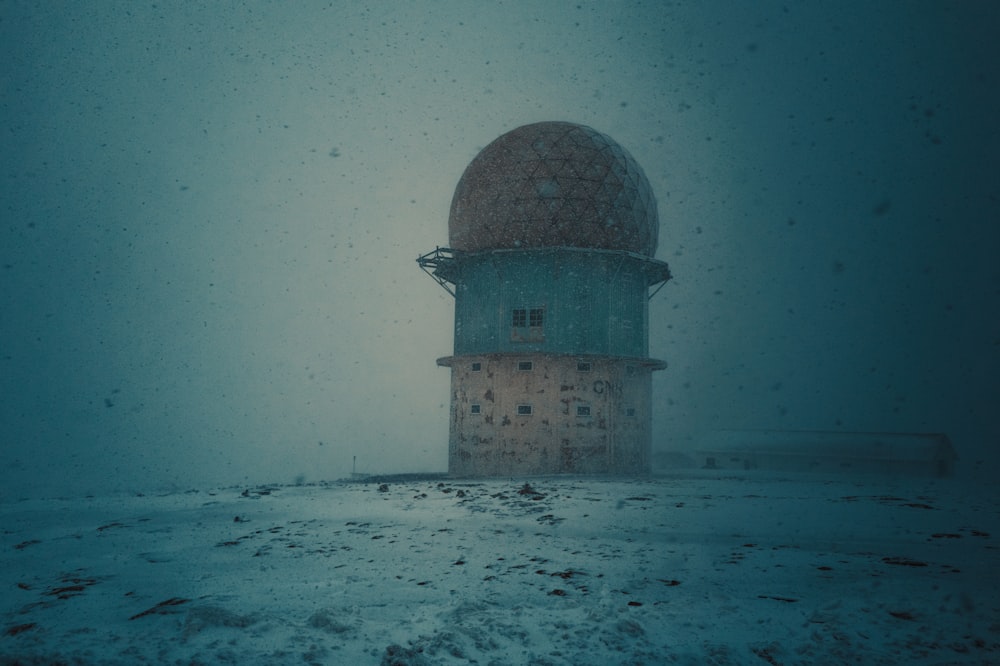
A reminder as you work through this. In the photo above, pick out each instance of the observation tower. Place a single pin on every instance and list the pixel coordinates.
(552, 236)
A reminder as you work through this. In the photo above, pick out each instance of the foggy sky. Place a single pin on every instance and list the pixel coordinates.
(211, 214)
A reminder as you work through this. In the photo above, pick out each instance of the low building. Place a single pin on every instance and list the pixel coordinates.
(923, 454)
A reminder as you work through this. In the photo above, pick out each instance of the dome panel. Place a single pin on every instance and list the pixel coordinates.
(554, 184)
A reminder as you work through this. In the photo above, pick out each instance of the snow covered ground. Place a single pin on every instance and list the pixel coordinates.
(689, 569)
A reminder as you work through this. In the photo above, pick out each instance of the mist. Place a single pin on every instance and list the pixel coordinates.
(211, 215)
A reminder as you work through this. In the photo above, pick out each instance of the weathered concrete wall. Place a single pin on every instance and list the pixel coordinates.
(566, 414)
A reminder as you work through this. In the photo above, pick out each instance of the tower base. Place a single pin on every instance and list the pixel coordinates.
(536, 413)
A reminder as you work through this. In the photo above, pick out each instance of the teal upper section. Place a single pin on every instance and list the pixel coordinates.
(558, 300)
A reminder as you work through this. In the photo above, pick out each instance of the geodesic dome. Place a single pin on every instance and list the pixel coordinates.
(554, 184)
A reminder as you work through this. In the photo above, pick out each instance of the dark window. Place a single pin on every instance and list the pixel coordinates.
(630, 411)
(525, 365)
(474, 409)
(477, 366)
(583, 366)
(524, 410)
(583, 410)
(527, 325)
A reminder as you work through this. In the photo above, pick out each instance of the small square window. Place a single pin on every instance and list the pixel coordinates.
(525, 365)
(475, 409)
(524, 410)
(583, 410)
(630, 411)
(583, 366)
(477, 366)
(527, 325)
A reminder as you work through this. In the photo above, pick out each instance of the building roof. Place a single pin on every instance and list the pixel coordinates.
(898, 446)
(554, 184)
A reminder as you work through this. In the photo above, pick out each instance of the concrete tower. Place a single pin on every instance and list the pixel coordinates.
(552, 234)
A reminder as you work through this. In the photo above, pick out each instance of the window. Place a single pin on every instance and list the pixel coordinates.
(583, 366)
(475, 409)
(630, 411)
(524, 410)
(527, 324)
(525, 365)
(583, 410)
(477, 366)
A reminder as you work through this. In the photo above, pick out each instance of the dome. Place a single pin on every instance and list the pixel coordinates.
(553, 184)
